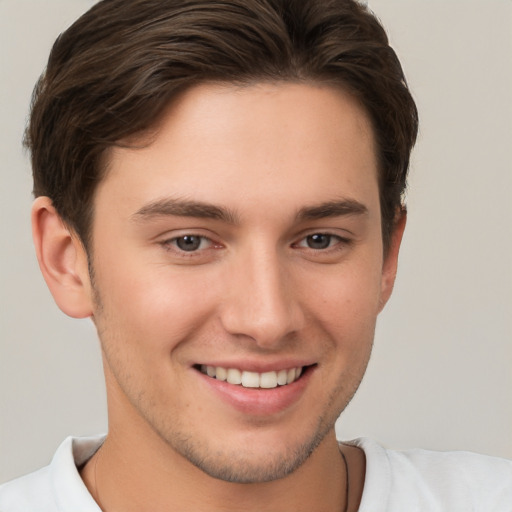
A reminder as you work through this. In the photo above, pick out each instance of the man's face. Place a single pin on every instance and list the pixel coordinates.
(243, 242)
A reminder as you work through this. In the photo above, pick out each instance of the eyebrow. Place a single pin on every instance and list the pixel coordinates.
(187, 208)
(184, 208)
(340, 208)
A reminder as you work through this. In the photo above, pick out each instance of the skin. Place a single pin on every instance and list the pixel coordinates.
(280, 163)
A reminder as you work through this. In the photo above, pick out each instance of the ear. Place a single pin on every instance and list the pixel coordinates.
(62, 260)
(390, 264)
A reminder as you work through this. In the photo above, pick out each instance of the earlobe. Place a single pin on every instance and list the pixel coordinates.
(62, 260)
(390, 264)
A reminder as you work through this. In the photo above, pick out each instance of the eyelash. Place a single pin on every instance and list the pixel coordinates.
(339, 242)
(171, 244)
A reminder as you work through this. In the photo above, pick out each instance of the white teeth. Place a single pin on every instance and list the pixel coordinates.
(221, 373)
(290, 376)
(266, 380)
(282, 377)
(234, 376)
(250, 380)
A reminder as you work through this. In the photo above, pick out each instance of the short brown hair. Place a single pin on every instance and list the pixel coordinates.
(112, 73)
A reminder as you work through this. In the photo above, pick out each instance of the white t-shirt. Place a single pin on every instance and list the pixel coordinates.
(396, 481)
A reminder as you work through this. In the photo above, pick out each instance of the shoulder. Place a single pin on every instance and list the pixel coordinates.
(55, 487)
(441, 481)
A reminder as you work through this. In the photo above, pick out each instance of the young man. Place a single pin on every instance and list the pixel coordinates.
(219, 188)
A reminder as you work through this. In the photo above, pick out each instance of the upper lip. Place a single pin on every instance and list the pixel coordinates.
(259, 366)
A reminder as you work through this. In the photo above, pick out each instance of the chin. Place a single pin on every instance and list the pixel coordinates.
(257, 459)
(257, 465)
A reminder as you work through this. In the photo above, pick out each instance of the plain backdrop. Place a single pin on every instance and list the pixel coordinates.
(441, 373)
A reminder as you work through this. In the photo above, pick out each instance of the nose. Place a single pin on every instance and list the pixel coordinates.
(261, 302)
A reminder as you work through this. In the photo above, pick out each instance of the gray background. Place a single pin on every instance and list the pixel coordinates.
(440, 376)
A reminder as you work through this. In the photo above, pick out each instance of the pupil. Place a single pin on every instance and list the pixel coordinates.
(319, 241)
(188, 243)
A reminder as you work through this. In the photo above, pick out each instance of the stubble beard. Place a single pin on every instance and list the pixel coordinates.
(243, 464)
(235, 466)
(257, 464)
(241, 467)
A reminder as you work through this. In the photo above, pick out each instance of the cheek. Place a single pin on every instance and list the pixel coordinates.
(347, 309)
(155, 309)
(350, 295)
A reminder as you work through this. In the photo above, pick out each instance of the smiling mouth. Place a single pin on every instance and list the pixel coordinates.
(247, 379)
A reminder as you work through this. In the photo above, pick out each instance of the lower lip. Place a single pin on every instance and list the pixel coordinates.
(257, 401)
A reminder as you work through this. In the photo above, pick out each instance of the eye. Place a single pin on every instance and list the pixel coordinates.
(189, 243)
(319, 241)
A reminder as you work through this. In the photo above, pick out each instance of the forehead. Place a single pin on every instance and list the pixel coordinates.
(264, 143)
